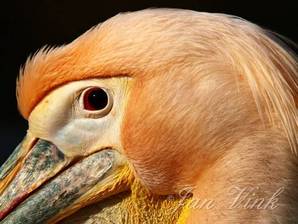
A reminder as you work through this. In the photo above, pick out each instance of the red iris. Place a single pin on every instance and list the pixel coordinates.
(95, 99)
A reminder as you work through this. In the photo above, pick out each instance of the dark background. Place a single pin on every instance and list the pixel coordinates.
(28, 25)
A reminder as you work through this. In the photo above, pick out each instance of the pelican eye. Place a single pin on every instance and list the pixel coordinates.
(96, 99)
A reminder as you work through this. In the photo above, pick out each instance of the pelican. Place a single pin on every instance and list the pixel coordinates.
(157, 116)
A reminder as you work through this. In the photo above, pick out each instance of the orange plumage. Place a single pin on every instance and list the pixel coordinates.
(212, 101)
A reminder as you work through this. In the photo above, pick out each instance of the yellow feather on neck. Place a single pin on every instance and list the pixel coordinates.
(134, 207)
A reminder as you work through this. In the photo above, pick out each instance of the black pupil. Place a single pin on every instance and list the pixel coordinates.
(97, 99)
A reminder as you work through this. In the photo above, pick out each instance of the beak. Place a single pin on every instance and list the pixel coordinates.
(39, 184)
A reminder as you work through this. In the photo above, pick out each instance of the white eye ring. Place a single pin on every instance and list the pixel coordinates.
(95, 102)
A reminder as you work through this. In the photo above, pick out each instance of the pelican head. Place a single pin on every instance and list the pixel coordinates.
(145, 106)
